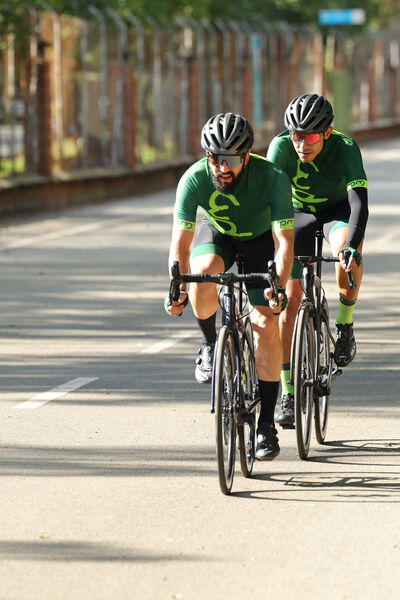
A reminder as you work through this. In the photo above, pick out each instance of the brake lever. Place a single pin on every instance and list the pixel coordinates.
(174, 290)
(350, 275)
(273, 281)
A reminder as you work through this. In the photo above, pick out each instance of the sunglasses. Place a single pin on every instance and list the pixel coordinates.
(232, 160)
(308, 138)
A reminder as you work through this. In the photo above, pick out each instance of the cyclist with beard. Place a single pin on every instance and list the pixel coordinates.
(248, 210)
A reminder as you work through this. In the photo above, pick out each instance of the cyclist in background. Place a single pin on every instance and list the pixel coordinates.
(329, 188)
(248, 209)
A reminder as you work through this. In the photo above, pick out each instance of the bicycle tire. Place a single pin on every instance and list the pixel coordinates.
(303, 370)
(224, 391)
(321, 403)
(247, 430)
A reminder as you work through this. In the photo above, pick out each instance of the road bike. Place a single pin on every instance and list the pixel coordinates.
(313, 368)
(234, 389)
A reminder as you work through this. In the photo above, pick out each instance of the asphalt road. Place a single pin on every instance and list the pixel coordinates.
(108, 474)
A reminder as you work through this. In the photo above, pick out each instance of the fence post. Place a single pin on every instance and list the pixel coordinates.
(371, 85)
(194, 107)
(293, 58)
(341, 91)
(247, 105)
(45, 166)
(394, 63)
(129, 117)
(338, 77)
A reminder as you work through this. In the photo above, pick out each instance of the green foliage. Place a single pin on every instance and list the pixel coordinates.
(379, 12)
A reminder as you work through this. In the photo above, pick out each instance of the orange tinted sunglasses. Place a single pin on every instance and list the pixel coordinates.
(308, 138)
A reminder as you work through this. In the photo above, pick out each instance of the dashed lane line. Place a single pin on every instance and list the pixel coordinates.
(71, 231)
(54, 235)
(54, 393)
(173, 339)
(74, 384)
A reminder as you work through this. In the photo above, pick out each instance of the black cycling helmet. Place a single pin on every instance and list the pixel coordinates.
(309, 113)
(227, 133)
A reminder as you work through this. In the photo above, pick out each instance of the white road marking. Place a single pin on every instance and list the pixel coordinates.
(54, 235)
(175, 338)
(77, 230)
(56, 392)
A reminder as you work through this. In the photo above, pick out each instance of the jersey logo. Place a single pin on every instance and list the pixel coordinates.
(357, 183)
(222, 222)
(186, 225)
(283, 224)
(301, 198)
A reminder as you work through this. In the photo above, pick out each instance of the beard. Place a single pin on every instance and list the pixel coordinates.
(226, 187)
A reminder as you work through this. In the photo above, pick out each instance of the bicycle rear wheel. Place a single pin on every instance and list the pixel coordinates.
(247, 430)
(303, 370)
(321, 403)
(224, 382)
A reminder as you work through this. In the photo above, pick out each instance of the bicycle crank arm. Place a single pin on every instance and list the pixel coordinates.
(321, 389)
(308, 383)
(243, 417)
(336, 372)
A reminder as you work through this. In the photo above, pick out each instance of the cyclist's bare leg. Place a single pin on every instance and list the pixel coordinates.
(345, 345)
(268, 344)
(288, 317)
(268, 365)
(337, 240)
(203, 296)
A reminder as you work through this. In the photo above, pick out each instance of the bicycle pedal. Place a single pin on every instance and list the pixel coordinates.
(243, 418)
(287, 426)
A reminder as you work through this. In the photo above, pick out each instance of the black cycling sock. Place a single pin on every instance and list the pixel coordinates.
(268, 394)
(208, 330)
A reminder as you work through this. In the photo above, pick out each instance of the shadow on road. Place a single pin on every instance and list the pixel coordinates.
(343, 486)
(85, 551)
(350, 451)
(132, 461)
(357, 486)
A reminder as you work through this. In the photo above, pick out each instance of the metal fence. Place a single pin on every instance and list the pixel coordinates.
(78, 94)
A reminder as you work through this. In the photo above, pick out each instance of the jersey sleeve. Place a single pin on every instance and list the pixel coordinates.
(353, 168)
(282, 217)
(358, 201)
(277, 152)
(357, 191)
(185, 208)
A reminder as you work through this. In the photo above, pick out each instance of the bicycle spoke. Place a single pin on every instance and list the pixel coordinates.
(321, 402)
(246, 431)
(224, 396)
(303, 380)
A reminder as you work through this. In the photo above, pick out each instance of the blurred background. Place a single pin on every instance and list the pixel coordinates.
(128, 84)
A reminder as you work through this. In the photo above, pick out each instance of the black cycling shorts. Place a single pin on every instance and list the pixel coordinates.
(305, 225)
(256, 254)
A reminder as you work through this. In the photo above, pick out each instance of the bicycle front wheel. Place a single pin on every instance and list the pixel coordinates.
(224, 383)
(321, 403)
(247, 429)
(303, 370)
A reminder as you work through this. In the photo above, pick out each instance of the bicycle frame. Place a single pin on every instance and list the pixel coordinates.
(231, 313)
(234, 383)
(311, 282)
(232, 309)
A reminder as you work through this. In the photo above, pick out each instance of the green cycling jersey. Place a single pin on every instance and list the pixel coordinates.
(261, 200)
(325, 181)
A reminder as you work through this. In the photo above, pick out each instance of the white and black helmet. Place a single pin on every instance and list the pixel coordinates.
(227, 133)
(309, 113)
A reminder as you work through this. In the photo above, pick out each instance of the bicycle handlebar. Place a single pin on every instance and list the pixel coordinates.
(226, 278)
(311, 259)
(305, 260)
